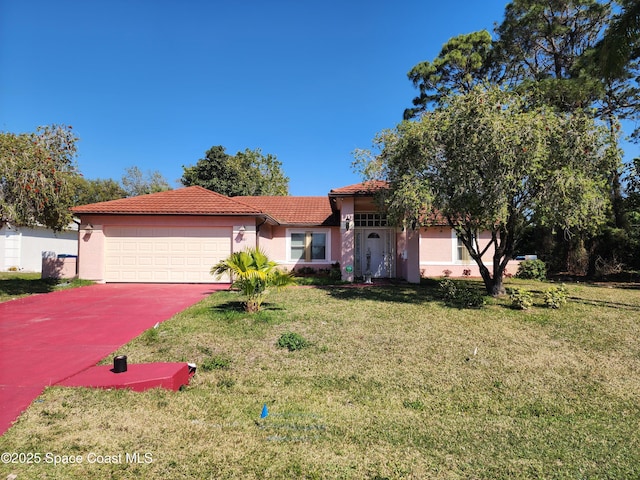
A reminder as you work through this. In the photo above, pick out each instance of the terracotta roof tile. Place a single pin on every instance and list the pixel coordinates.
(187, 201)
(294, 210)
(364, 188)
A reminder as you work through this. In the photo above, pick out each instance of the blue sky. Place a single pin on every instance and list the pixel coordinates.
(156, 83)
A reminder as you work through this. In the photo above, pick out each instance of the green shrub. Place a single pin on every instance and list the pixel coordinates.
(470, 298)
(460, 295)
(520, 298)
(335, 273)
(449, 289)
(555, 297)
(292, 341)
(306, 271)
(532, 270)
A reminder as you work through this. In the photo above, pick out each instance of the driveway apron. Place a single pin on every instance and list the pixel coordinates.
(47, 338)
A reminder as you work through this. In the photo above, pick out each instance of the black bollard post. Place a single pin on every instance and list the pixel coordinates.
(120, 364)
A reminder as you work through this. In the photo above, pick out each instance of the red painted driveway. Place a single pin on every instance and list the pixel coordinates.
(47, 338)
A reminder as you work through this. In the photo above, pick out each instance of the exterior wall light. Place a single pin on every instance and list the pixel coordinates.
(347, 223)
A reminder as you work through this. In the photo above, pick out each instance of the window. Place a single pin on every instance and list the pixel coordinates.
(463, 254)
(298, 246)
(370, 220)
(318, 246)
(308, 246)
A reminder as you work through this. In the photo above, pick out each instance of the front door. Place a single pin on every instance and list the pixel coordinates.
(376, 254)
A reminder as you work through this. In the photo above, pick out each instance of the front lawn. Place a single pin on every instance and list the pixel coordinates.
(16, 284)
(393, 384)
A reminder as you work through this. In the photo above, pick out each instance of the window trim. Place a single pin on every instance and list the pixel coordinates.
(327, 239)
(457, 245)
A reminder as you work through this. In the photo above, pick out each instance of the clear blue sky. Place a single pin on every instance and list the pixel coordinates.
(156, 83)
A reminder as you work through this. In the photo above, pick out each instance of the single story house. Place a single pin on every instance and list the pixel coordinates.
(25, 248)
(178, 235)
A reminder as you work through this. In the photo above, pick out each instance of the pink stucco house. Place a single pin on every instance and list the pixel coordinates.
(178, 235)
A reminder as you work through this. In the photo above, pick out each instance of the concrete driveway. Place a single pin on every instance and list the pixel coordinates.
(47, 338)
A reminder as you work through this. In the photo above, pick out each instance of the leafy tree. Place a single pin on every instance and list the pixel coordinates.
(548, 51)
(36, 172)
(632, 205)
(489, 161)
(214, 172)
(254, 274)
(98, 190)
(246, 173)
(551, 48)
(633, 184)
(262, 174)
(135, 182)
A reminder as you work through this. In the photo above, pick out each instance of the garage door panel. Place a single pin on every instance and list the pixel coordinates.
(165, 254)
(129, 261)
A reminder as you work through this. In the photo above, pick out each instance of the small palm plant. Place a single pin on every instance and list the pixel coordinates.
(253, 274)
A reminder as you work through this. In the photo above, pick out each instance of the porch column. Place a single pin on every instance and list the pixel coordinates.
(347, 240)
(91, 241)
(413, 255)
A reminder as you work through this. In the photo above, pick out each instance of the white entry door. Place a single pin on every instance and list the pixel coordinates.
(376, 257)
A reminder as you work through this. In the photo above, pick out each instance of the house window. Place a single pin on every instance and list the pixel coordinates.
(308, 246)
(463, 254)
(370, 220)
(298, 246)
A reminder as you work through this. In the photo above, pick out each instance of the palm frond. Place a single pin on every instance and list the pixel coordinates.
(253, 273)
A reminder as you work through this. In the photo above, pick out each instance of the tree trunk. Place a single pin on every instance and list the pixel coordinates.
(492, 283)
(498, 287)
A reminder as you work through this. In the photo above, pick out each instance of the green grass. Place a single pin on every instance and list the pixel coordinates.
(394, 384)
(15, 285)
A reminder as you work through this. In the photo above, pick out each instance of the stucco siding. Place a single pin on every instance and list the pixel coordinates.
(439, 254)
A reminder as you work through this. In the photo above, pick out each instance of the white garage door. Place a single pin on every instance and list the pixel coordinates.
(165, 254)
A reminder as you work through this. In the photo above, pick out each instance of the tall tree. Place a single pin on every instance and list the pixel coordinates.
(550, 47)
(547, 49)
(36, 171)
(246, 173)
(489, 161)
(262, 174)
(621, 43)
(540, 43)
(135, 182)
(464, 62)
(98, 190)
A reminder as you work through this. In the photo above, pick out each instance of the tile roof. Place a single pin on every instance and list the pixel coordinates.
(187, 201)
(365, 188)
(294, 210)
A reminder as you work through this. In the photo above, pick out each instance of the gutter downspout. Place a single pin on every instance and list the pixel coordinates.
(77, 222)
(264, 220)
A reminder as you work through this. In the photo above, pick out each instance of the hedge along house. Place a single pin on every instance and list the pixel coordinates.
(178, 235)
